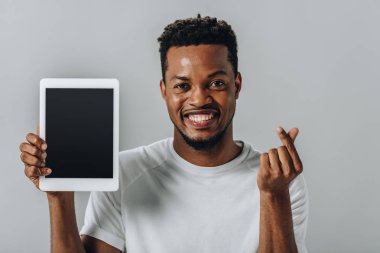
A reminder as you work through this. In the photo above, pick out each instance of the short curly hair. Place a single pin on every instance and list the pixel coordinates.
(195, 31)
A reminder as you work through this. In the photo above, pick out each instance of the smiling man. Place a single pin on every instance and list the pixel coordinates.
(200, 94)
(201, 190)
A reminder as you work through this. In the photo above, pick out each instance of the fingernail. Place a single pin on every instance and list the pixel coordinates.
(42, 164)
(43, 156)
(44, 146)
(279, 129)
(48, 171)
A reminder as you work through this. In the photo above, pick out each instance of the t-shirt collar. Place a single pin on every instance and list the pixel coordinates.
(207, 171)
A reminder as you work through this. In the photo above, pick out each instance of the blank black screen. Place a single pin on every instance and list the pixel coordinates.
(79, 132)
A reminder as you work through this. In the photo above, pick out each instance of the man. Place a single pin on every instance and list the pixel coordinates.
(200, 191)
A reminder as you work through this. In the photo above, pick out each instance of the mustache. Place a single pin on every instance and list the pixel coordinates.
(210, 108)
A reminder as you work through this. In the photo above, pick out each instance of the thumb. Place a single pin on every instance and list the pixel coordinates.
(293, 133)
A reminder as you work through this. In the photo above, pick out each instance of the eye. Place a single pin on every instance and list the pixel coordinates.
(218, 84)
(182, 86)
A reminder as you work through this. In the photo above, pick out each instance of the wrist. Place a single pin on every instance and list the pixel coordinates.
(275, 195)
(60, 196)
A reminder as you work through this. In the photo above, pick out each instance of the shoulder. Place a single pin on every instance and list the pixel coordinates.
(252, 157)
(147, 154)
(299, 197)
(136, 161)
(298, 186)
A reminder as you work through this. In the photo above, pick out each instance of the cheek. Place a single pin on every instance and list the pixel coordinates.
(175, 103)
(226, 101)
(230, 110)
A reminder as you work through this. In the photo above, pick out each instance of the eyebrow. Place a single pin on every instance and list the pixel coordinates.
(216, 73)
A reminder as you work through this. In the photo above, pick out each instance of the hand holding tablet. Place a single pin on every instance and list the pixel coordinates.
(79, 122)
(33, 155)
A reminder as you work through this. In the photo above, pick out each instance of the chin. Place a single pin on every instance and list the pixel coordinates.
(204, 139)
(203, 143)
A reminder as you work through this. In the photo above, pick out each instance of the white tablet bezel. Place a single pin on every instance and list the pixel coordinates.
(82, 184)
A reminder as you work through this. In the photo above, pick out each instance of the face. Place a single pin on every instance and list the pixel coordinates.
(200, 91)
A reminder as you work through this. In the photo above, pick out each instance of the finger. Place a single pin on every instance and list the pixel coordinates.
(32, 172)
(43, 156)
(35, 172)
(290, 136)
(275, 163)
(36, 140)
(293, 134)
(286, 161)
(45, 171)
(288, 143)
(264, 160)
(38, 130)
(31, 160)
(264, 164)
(32, 150)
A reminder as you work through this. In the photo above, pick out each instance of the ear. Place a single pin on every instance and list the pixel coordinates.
(238, 81)
(163, 89)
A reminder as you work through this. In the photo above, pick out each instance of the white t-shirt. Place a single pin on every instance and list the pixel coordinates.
(167, 205)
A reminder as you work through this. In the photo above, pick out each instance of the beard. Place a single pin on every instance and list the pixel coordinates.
(204, 144)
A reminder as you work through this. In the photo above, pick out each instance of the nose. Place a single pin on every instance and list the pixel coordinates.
(200, 97)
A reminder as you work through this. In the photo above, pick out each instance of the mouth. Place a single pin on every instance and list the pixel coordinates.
(201, 119)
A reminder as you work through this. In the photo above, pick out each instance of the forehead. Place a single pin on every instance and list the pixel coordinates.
(197, 57)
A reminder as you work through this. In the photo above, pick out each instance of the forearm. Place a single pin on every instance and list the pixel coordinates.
(276, 225)
(64, 231)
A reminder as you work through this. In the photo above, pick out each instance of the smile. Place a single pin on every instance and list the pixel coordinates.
(201, 119)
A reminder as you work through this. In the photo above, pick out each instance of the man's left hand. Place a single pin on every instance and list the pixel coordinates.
(279, 166)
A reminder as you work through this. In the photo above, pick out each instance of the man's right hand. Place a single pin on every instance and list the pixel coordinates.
(33, 155)
(64, 229)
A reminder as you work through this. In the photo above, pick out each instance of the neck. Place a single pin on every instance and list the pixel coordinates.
(223, 152)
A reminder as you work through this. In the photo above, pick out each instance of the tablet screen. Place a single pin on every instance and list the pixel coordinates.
(79, 132)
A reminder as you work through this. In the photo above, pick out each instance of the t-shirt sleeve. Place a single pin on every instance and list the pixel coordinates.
(299, 198)
(103, 219)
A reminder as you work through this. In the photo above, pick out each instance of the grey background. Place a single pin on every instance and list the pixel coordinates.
(309, 64)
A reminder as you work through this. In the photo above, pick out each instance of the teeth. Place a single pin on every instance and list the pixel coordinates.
(200, 117)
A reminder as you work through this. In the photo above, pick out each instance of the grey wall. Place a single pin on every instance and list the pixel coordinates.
(310, 64)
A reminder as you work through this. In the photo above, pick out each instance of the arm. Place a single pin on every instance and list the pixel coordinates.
(276, 226)
(63, 224)
(94, 245)
(278, 168)
(64, 231)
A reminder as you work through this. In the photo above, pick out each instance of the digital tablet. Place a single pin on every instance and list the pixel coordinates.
(79, 120)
